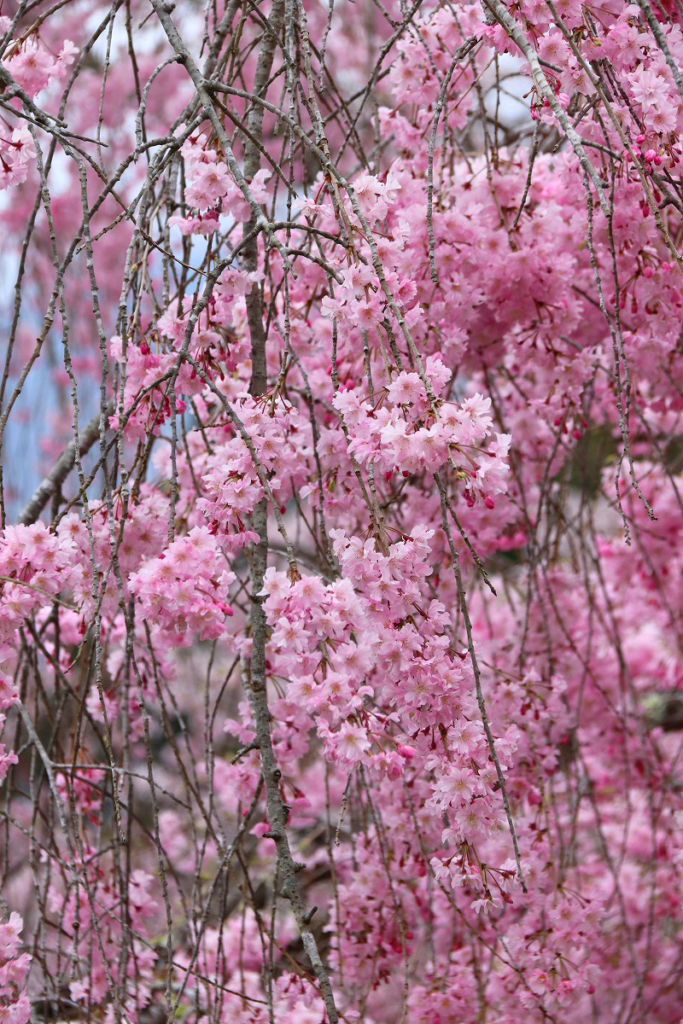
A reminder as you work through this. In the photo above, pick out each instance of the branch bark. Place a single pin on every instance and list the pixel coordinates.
(62, 467)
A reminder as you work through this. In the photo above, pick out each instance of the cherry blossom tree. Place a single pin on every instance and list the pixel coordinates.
(341, 547)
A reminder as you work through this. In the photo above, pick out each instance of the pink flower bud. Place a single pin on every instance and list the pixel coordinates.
(406, 751)
(650, 155)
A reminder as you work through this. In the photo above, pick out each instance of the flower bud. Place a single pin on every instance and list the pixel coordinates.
(406, 751)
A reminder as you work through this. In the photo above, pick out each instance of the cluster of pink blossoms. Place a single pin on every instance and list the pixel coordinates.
(15, 1005)
(16, 153)
(398, 438)
(184, 590)
(211, 189)
(33, 68)
(32, 65)
(35, 566)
